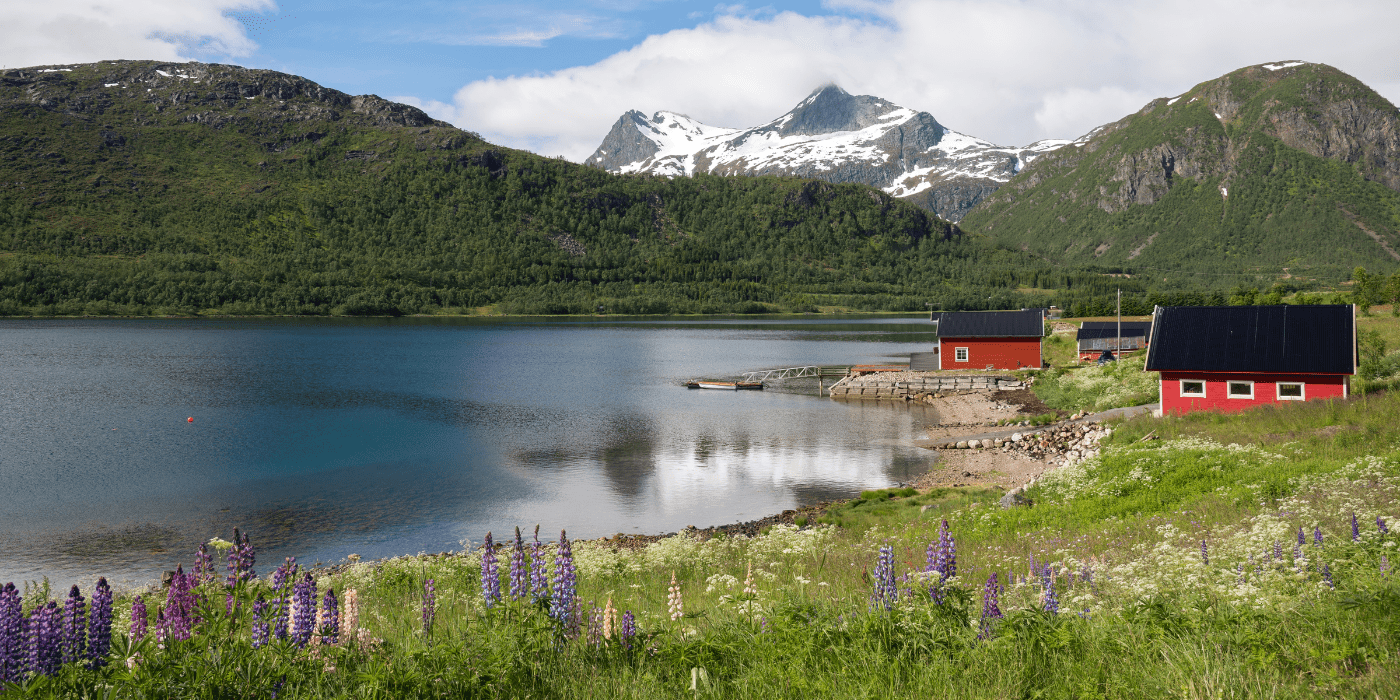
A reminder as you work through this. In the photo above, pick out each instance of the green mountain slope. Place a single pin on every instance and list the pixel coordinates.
(1280, 169)
(136, 187)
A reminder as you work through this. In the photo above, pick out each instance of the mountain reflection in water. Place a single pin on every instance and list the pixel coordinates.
(380, 437)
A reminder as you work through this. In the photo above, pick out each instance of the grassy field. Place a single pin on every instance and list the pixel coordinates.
(1165, 567)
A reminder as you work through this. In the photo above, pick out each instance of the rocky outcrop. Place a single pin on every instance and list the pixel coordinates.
(1240, 132)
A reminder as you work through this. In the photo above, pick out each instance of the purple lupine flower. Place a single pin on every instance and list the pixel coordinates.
(562, 603)
(629, 629)
(138, 619)
(1278, 551)
(1205, 556)
(181, 602)
(539, 579)
(1355, 528)
(234, 560)
(330, 618)
(100, 624)
(886, 590)
(247, 558)
(519, 569)
(261, 629)
(1087, 575)
(241, 558)
(1380, 525)
(203, 564)
(1385, 565)
(74, 627)
(1302, 539)
(1239, 569)
(1327, 576)
(490, 575)
(1317, 534)
(991, 611)
(45, 640)
(303, 610)
(947, 552)
(1253, 564)
(429, 606)
(1047, 581)
(942, 557)
(283, 579)
(12, 635)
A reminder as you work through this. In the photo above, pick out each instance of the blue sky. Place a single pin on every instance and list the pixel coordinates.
(554, 76)
(431, 49)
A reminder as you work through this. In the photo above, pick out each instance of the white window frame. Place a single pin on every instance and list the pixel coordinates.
(1302, 391)
(959, 354)
(1183, 392)
(1229, 395)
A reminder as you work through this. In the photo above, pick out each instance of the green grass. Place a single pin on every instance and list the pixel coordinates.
(788, 614)
(1095, 387)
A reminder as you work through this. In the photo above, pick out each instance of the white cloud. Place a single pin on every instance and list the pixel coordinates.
(521, 26)
(78, 31)
(1005, 70)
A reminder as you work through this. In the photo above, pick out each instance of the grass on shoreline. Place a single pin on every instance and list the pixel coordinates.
(789, 614)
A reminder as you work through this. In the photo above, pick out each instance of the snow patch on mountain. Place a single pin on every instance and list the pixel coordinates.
(830, 135)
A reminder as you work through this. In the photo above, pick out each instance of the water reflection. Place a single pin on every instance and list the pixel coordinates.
(383, 437)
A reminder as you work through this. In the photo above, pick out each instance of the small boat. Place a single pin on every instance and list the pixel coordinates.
(718, 385)
(728, 386)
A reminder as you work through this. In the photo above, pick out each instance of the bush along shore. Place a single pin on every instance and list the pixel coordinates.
(1234, 556)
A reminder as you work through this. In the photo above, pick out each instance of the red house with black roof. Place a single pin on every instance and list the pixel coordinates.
(990, 339)
(1229, 358)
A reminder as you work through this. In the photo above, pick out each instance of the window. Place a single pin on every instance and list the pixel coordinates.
(1193, 387)
(1239, 390)
(1290, 391)
(960, 354)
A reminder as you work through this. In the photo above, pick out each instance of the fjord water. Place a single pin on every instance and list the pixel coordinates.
(384, 437)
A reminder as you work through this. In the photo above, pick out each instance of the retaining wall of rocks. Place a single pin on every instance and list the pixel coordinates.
(871, 386)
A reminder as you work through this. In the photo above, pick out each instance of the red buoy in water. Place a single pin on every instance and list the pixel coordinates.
(190, 419)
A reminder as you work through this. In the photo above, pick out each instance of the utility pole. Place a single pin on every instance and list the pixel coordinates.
(1119, 354)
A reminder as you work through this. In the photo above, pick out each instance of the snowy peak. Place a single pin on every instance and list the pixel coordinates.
(830, 109)
(830, 135)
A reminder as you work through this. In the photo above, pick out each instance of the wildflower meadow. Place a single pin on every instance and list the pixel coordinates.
(1204, 556)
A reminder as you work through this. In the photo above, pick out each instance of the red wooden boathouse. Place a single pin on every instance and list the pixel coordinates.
(1229, 358)
(990, 339)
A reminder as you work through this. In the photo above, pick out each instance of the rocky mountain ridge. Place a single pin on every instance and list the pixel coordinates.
(1293, 162)
(831, 135)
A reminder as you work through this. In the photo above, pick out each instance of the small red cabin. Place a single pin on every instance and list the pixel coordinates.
(1229, 358)
(990, 339)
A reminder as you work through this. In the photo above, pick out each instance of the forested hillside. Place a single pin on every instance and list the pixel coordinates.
(1285, 169)
(140, 187)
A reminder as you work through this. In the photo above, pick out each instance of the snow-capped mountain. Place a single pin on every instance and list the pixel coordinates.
(834, 136)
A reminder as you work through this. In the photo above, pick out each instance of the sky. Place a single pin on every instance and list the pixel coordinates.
(552, 76)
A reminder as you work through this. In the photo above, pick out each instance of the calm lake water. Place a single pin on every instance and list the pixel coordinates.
(384, 437)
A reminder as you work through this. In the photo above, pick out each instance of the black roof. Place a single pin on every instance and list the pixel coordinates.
(1109, 329)
(1285, 339)
(991, 324)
